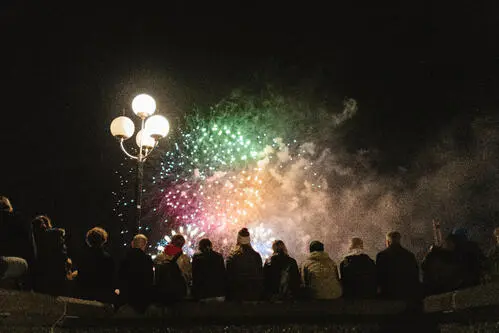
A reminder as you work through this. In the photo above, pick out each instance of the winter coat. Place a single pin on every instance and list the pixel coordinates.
(244, 275)
(96, 275)
(209, 278)
(16, 237)
(397, 274)
(320, 277)
(51, 265)
(183, 262)
(472, 262)
(135, 279)
(440, 271)
(358, 276)
(281, 277)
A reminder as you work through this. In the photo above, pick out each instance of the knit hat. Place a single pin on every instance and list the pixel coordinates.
(243, 237)
(316, 246)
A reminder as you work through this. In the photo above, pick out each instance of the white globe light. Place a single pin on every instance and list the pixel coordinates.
(122, 127)
(157, 126)
(143, 137)
(143, 105)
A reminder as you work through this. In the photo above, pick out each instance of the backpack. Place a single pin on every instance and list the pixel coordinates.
(170, 282)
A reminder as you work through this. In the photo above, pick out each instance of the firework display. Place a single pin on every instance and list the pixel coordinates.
(233, 171)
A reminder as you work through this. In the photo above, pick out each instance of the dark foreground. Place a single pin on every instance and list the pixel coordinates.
(470, 310)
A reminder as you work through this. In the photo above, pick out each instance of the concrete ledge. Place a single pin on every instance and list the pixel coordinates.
(27, 308)
(480, 296)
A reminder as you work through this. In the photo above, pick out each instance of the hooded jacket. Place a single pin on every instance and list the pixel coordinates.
(320, 277)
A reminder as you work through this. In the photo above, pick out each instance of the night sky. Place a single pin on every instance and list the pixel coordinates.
(68, 70)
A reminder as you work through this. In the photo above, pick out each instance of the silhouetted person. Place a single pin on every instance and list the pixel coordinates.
(96, 268)
(470, 257)
(173, 272)
(244, 270)
(51, 269)
(397, 271)
(209, 278)
(358, 272)
(320, 274)
(281, 274)
(441, 271)
(17, 248)
(493, 259)
(136, 276)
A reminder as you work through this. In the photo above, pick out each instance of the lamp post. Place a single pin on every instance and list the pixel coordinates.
(152, 129)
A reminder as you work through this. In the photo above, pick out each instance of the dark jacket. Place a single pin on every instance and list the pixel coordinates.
(16, 237)
(397, 274)
(244, 275)
(358, 276)
(51, 266)
(472, 262)
(96, 275)
(441, 272)
(281, 277)
(135, 279)
(208, 275)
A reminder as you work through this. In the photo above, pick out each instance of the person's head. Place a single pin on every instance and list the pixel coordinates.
(178, 241)
(496, 234)
(243, 237)
(279, 247)
(139, 242)
(42, 222)
(393, 238)
(5, 204)
(96, 237)
(461, 234)
(356, 244)
(205, 245)
(316, 246)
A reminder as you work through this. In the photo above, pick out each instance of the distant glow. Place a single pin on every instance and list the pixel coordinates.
(143, 105)
(261, 240)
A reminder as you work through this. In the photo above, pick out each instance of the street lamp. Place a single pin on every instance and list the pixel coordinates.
(152, 129)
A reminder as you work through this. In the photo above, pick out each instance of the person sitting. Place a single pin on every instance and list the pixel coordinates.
(358, 272)
(470, 258)
(281, 274)
(244, 270)
(17, 248)
(320, 274)
(397, 271)
(51, 267)
(136, 276)
(173, 272)
(95, 279)
(208, 273)
(441, 268)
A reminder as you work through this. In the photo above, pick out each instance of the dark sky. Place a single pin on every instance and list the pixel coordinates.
(68, 70)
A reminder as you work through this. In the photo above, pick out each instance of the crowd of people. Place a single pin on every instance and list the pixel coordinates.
(34, 254)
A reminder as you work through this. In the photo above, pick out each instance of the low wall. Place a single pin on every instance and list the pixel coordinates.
(461, 311)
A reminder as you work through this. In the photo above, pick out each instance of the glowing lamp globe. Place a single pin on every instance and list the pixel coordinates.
(145, 139)
(157, 126)
(122, 127)
(143, 105)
